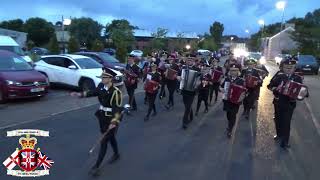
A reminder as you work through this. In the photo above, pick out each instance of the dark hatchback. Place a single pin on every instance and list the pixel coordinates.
(308, 64)
(105, 59)
(18, 79)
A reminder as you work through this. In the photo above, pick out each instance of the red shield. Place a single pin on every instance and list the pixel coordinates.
(28, 159)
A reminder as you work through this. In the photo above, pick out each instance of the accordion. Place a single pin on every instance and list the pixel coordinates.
(251, 81)
(189, 79)
(130, 78)
(294, 90)
(236, 93)
(171, 74)
(150, 85)
(216, 75)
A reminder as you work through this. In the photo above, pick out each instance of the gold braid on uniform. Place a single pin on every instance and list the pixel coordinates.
(118, 100)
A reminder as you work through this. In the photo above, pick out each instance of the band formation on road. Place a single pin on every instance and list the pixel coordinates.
(192, 76)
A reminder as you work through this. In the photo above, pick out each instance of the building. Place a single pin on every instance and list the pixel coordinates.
(176, 40)
(282, 41)
(19, 37)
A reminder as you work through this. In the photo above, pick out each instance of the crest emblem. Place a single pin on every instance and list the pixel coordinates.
(27, 158)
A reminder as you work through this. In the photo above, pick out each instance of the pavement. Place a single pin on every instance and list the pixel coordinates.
(160, 149)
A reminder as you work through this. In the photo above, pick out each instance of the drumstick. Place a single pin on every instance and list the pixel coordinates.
(98, 142)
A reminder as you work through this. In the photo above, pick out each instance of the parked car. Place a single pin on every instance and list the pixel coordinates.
(137, 53)
(105, 59)
(308, 63)
(73, 70)
(18, 79)
(258, 56)
(40, 51)
(9, 44)
(110, 51)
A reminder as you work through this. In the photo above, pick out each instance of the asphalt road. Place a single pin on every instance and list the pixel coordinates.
(160, 149)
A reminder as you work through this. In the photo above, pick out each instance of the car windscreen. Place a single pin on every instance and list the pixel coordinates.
(107, 58)
(306, 59)
(255, 56)
(87, 63)
(13, 64)
(14, 49)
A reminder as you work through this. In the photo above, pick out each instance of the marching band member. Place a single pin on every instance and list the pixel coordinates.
(188, 95)
(153, 80)
(231, 106)
(109, 115)
(286, 103)
(133, 71)
(162, 70)
(171, 78)
(145, 70)
(253, 83)
(214, 83)
(203, 92)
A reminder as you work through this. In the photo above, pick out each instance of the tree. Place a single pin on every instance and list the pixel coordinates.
(97, 45)
(216, 31)
(159, 41)
(39, 31)
(86, 30)
(207, 42)
(73, 45)
(15, 24)
(121, 33)
(53, 45)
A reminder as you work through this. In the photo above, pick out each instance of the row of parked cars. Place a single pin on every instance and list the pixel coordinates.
(20, 79)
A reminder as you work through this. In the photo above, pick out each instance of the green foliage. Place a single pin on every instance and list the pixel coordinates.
(97, 45)
(121, 33)
(208, 43)
(53, 45)
(159, 41)
(73, 45)
(216, 31)
(15, 24)
(39, 31)
(85, 30)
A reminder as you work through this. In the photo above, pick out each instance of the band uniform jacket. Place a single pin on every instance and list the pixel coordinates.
(227, 105)
(135, 69)
(110, 105)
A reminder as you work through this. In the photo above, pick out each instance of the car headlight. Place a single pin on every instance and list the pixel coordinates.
(262, 60)
(117, 78)
(13, 83)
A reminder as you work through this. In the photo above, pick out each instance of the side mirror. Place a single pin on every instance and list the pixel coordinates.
(72, 67)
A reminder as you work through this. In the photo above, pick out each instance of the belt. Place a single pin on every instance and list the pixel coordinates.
(107, 109)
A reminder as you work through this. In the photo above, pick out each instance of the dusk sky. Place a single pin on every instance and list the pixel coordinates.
(184, 16)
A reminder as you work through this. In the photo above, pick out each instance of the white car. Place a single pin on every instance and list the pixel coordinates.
(138, 53)
(73, 70)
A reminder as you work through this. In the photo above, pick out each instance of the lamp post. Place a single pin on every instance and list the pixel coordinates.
(281, 5)
(261, 23)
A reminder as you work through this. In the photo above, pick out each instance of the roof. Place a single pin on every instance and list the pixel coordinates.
(73, 56)
(170, 34)
(11, 31)
(283, 31)
(7, 41)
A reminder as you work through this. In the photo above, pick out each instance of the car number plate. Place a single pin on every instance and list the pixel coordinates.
(307, 69)
(37, 89)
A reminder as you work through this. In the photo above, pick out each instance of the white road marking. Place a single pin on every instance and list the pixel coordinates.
(313, 117)
(54, 114)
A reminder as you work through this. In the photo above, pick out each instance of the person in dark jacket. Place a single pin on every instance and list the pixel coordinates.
(109, 115)
(131, 86)
(214, 85)
(172, 82)
(203, 93)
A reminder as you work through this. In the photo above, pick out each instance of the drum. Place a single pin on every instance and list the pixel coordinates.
(251, 81)
(171, 74)
(150, 85)
(236, 93)
(293, 90)
(216, 75)
(189, 79)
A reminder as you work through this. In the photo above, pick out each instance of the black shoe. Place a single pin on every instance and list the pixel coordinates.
(94, 171)
(154, 114)
(114, 158)
(167, 106)
(229, 134)
(160, 97)
(206, 111)
(284, 145)
(276, 138)
(184, 126)
(134, 109)
(146, 118)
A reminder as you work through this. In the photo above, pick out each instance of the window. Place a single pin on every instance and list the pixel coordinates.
(53, 61)
(67, 62)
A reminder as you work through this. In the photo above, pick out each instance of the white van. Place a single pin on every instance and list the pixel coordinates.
(9, 44)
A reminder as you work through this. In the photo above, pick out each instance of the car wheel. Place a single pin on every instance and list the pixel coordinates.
(2, 98)
(316, 72)
(87, 85)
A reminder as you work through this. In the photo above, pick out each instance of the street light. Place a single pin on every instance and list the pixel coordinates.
(281, 5)
(261, 22)
(188, 46)
(247, 31)
(65, 22)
